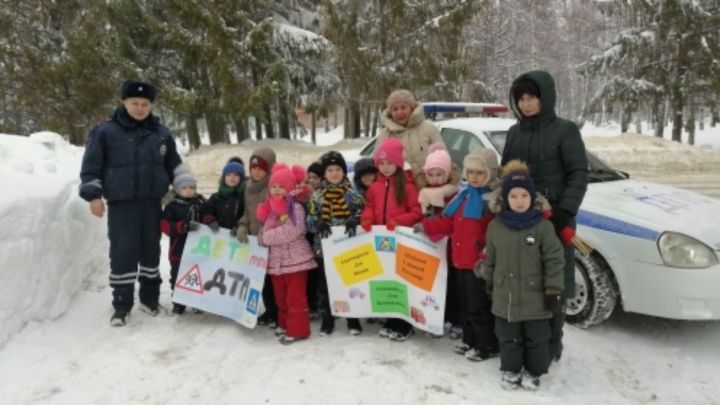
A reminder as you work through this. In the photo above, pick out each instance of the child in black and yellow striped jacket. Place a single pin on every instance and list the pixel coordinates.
(335, 203)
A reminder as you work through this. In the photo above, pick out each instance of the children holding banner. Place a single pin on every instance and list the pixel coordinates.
(290, 256)
(392, 200)
(524, 268)
(465, 220)
(335, 203)
(179, 217)
(256, 190)
(439, 184)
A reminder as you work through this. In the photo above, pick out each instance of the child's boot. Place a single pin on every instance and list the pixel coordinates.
(328, 324)
(510, 380)
(354, 326)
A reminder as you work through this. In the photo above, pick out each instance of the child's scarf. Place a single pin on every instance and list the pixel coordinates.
(280, 207)
(475, 205)
(226, 190)
(520, 220)
(334, 204)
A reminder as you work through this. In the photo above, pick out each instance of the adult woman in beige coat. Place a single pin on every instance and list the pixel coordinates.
(404, 119)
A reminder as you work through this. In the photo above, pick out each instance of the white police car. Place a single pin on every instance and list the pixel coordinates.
(655, 247)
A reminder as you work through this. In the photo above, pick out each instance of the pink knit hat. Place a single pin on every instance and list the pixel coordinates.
(392, 151)
(287, 177)
(438, 158)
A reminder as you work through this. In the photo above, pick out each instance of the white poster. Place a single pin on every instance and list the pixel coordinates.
(387, 274)
(220, 275)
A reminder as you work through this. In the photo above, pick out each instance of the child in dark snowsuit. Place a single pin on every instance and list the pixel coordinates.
(179, 217)
(225, 207)
(524, 267)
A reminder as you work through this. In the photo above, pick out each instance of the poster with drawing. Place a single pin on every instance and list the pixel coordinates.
(387, 274)
(222, 276)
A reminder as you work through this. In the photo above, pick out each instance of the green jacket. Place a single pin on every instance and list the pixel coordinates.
(520, 264)
(551, 146)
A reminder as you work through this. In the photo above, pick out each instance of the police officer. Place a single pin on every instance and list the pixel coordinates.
(130, 160)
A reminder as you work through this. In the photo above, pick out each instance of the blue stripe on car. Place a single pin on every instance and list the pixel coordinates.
(608, 224)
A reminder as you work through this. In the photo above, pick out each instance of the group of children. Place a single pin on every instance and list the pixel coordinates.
(506, 261)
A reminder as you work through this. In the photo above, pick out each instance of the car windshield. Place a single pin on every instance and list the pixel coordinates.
(497, 138)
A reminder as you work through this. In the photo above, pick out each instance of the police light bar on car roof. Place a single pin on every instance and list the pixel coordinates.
(472, 108)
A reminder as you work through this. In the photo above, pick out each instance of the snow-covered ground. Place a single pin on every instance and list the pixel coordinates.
(53, 261)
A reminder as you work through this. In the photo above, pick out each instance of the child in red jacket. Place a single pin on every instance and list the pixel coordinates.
(391, 200)
(465, 220)
(290, 257)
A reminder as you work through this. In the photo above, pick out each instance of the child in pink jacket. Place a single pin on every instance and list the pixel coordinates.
(290, 256)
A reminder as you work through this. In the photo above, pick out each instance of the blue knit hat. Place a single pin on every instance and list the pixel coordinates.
(518, 179)
(234, 167)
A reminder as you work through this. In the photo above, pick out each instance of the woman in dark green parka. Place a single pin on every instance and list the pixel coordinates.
(555, 153)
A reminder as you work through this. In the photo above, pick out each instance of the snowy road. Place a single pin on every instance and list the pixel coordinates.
(79, 359)
(707, 183)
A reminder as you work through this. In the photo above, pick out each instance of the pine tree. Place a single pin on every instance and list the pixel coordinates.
(669, 51)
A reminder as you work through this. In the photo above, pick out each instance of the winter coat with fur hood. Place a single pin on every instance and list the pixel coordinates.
(381, 207)
(521, 264)
(416, 137)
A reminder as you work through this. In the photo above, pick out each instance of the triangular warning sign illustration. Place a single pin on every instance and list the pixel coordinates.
(385, 245)
(191, 281)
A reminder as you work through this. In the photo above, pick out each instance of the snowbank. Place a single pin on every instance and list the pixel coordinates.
(208, 161)
(632, 152)
(49, 243)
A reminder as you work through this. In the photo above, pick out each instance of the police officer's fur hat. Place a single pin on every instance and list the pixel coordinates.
(132, 88)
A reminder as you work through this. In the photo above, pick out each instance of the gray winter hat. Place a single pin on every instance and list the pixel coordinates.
(184, 180)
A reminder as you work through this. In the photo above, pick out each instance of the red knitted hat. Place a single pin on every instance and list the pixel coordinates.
(287, 177)
(392, 151)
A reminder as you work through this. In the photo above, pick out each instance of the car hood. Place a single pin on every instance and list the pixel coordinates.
(646, 209)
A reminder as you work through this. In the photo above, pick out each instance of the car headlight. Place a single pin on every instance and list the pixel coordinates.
(678, 250)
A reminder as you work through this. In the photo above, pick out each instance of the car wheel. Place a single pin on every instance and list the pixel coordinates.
(595, 294)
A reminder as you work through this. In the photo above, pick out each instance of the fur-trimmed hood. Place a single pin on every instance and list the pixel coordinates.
(496, 203)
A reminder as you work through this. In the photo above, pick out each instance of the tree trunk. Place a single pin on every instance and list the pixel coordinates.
(691, 120)
(283, 119)
(193, 133)
(677, 111)
(258, 127)
(625, 117)
(312, 128)
(659, 117)
(346, 119)
(367, 114)
(354, 120)
(269, 133)
(216, 128)
(638, 124)
(241, 128)
(376, 120)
